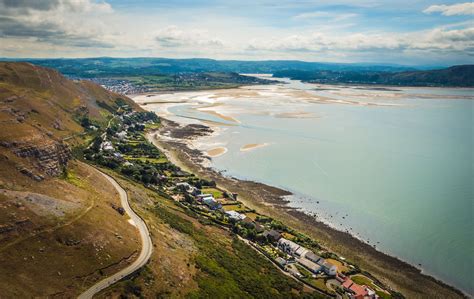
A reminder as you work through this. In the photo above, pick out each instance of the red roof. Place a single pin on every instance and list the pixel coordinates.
(347, 284)
(358, 290)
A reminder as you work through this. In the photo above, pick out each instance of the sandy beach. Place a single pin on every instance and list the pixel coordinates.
(252, 146)
(398, 275)
(215, 152)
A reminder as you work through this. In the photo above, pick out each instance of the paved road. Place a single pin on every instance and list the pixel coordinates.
(147, 246)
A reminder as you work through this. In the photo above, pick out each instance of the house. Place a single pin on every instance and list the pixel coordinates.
(187, 187)
(200, 197)
(313, 267)
(272, 235)
(280, 261)
(312, 257)
(328, 268)
(235, 215)
(107, 146)
(211, 203)
(287, 246)
(258, 228)
(121, 135)
(357, 291)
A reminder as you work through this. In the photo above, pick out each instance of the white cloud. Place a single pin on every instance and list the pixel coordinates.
(326, 16)
(452, 10)
(438, 40)
(77, 23)
(172, 36)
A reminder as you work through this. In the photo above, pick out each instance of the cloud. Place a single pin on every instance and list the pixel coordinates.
(172, 37)
(438, 40)
(324, 15)
(452, 10)
(58, 22)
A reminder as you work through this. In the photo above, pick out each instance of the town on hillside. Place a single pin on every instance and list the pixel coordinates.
(124, 148)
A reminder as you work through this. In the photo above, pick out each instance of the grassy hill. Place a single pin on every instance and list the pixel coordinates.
(455, 76)
(58, 231)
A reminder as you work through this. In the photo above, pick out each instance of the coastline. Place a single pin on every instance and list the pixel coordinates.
(268, 200)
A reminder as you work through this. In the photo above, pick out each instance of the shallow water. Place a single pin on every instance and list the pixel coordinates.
(397, 173)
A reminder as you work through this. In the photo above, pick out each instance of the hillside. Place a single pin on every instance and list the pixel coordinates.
(455, 76)
(61, 229)
(58, 230)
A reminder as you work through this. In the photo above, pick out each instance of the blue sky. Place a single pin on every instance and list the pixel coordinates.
(401, 32)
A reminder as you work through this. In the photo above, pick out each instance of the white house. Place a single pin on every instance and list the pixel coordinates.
(235, 215)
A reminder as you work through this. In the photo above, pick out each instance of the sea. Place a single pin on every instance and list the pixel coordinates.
(391, 165)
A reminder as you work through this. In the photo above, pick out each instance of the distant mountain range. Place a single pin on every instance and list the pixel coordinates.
(357, 73)
(456, 76)
(106, 67)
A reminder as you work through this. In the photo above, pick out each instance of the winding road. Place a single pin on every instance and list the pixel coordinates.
(147, 246)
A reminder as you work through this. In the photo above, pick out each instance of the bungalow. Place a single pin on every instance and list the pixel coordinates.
(326, 266)
(357, 291)
(272, 235)
(211, 203)
(200, 197)
(235, 215)
(187, 187)
(280, 261)
(287, 246)
(107, 146)
(121, 135)
(313, 267)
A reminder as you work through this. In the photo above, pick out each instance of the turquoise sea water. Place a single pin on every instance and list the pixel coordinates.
(401, 176)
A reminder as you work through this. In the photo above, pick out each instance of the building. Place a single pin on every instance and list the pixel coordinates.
(327, 267)
(280, 261)
(307, 257)
(313, 267)
(211, 203)
(121, 135)
(287, 246)
(358, 291)
(272, 235)
(200, 197)
(292, 248)
(312, 257)
(235, 215)
(187, 187)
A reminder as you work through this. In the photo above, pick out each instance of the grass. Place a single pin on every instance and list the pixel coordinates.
(362, 280)
(215, 192)
(251, 215)
(227, 267)
(72, 178)
(145, 159)
(340, 266)
(233, 207)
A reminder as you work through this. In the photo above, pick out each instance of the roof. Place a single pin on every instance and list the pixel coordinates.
(358, 290)
(287, 243)
(346, 284)
(272, 233)
(312, 257)
(235, 215)
(326, 264)
(309, 264)
(280, 260)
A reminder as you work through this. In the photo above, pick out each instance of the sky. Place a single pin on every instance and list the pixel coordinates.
(405, 32)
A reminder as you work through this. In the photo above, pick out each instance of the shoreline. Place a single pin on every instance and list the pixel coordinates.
(391, 271)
